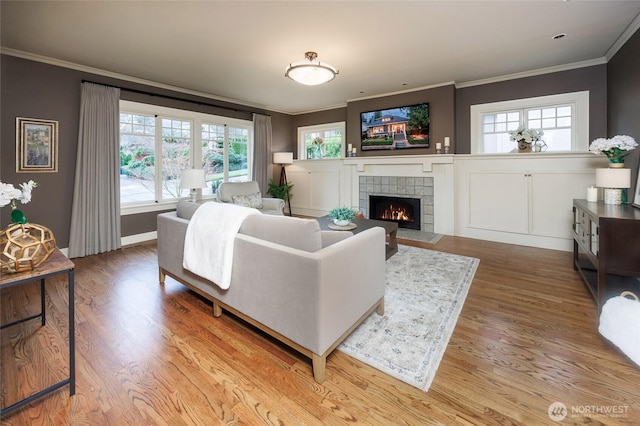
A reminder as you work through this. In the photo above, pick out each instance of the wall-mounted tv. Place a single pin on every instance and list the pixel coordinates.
(395, 128)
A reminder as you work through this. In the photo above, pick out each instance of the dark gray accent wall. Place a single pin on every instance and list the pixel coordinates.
(441, 115)
(593, 79)
(623, 86)
(38, 90)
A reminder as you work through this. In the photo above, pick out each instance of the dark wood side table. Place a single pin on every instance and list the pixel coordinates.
(58, 263)
(390, 228)
(606, 248)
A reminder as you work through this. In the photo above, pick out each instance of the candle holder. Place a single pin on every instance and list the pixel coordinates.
(446, 149)
(438, 151)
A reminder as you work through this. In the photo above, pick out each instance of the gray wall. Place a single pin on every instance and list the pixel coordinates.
(623, 86)
(592, 78)
(38, 90)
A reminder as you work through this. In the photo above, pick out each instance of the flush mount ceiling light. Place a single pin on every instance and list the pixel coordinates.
(310, 71)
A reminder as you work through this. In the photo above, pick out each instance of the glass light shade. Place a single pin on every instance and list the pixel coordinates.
(613, 178)
(192, 178)
(311, 72)
(283, 158)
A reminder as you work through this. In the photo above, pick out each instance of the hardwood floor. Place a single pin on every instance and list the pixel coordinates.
(152, 355)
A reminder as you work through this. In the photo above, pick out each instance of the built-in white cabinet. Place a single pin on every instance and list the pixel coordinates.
(521, 198)
(317, 186)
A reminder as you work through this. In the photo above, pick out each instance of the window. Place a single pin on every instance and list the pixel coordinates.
(564, 119)
(157, 143)
(321, 141)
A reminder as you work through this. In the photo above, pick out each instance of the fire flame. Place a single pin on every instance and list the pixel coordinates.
(396, 213)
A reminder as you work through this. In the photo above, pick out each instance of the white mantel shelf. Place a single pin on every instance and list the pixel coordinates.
(426, 161)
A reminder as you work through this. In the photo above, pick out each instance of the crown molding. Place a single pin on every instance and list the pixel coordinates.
(401, 92)
(624, 37)
(124, 77)
(533, 73)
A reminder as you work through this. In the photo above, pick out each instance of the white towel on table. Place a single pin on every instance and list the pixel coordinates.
(208, 243)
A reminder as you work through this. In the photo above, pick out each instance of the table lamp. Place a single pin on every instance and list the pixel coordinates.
(192, 179)
(613, 181)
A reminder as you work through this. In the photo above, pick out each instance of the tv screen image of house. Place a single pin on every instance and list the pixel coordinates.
(395, 128)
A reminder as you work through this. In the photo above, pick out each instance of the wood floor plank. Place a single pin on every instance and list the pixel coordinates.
(151, 354)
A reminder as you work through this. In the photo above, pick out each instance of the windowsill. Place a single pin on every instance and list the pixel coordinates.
(156, 207)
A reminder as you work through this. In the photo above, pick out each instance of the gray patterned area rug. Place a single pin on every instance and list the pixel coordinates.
(424, 295)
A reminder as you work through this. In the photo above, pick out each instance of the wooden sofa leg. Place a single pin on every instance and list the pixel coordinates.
(217, 309)
(380, 308)
(319, 367)
(163, 276)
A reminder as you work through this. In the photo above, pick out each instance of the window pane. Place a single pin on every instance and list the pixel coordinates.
(558, 139)
(238, 143)
(489, 118)
(548, 123)
(513, 116)
(176, 156)
(564, 111)
(137, 158)
(488, 128)
(501, 127)
(212, 156)
(534, 113)
(548, 112)
(535, 124)
(564, 122)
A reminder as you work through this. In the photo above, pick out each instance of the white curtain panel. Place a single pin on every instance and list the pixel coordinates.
(262, 167)
(95, 215)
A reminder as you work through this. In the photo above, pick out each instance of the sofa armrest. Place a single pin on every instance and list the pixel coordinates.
(273, 204)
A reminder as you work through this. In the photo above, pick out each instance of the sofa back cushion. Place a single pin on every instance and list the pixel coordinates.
(302, 234)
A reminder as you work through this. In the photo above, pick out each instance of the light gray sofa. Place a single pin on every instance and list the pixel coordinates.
(306, 287)
(249, 195)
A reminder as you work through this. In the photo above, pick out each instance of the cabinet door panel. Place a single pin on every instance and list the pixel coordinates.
(552, 197)
(301, 188)
(498, 201)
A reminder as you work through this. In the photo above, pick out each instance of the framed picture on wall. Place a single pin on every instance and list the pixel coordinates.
(36, 145)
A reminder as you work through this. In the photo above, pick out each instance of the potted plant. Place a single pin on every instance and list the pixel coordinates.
(342, 216)
(280, 191)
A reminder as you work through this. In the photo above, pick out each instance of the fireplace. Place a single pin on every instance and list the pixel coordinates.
(404, 211)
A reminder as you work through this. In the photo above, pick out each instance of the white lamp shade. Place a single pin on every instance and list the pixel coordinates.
(613, 178)
(192, 178)
(283, 157)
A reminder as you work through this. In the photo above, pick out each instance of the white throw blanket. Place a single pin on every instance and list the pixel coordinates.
(620, 324)
(208, 243)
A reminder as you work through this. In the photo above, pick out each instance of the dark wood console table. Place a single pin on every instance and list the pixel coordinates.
(606, 248)
(58, 263)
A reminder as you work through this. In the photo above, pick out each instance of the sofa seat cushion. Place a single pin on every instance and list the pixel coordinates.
(252, 200)
(301, 234)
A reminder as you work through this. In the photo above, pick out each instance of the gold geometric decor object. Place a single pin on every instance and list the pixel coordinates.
(25, 246)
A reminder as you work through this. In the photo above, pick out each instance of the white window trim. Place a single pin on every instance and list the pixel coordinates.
(338, 125)
(580, 101)
(196, 119)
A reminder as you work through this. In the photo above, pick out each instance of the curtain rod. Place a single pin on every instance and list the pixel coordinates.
(173, 98)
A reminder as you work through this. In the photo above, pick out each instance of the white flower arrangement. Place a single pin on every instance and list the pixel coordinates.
(614, 148)
(9, 194)
(522, 134)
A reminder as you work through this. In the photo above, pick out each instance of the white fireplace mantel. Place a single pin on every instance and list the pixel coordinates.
(425, 161)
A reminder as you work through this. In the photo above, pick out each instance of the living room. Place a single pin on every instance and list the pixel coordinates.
(42, 87)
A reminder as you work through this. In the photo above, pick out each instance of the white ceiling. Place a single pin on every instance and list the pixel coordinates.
(238, 50)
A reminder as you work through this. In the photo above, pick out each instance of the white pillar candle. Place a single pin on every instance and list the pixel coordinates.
(438, 145)
(354, 150)
(349, 147)
(592, 194)
(447, 141)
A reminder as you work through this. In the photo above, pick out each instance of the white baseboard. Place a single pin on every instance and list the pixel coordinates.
(138, 238)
